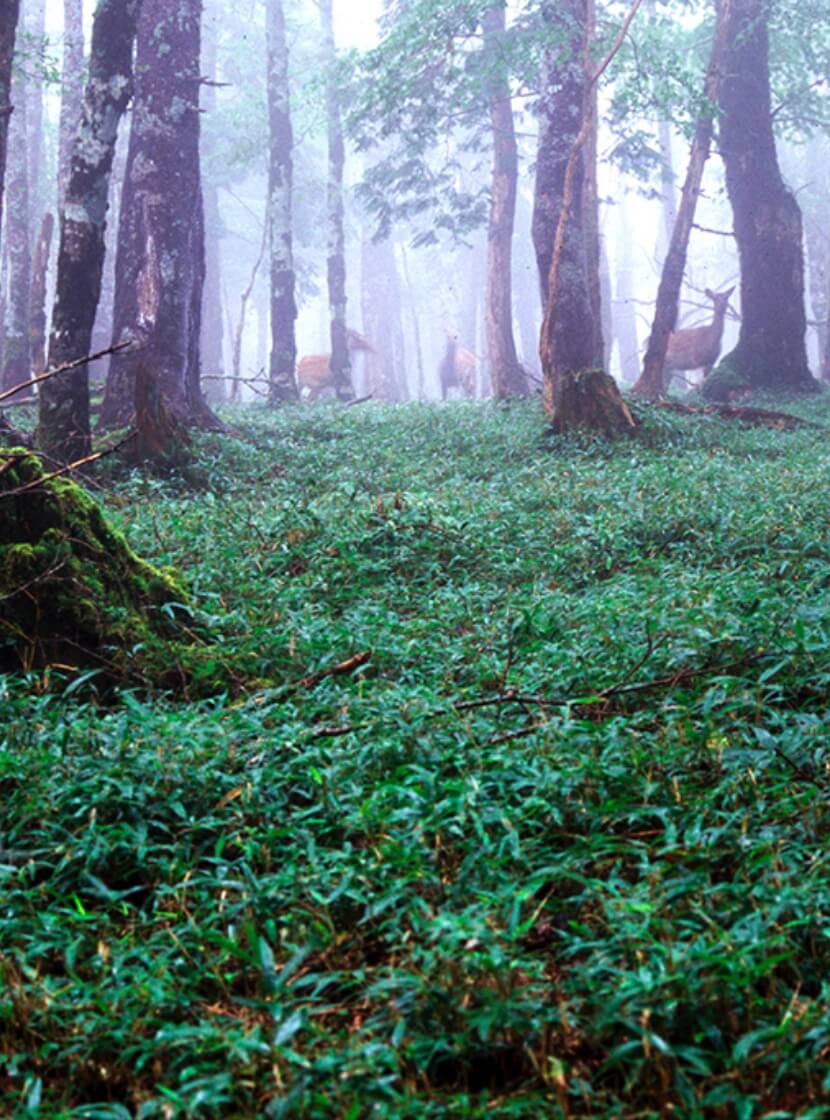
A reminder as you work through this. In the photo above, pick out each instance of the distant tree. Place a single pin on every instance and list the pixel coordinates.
(771, 350)
(341, 362)
(64, 427)
(160, 264)
(280, 217)
(16, 350)
(9, 10)
(212, 343)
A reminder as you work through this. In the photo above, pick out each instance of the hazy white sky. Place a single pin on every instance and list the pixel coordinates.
(355, 19)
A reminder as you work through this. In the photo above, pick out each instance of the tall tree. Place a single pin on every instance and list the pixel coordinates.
(212, 342)
(568, 331)
(16, 351)
(160, 264)
(64, 429)
(72, 90)
(341, 363)
(507, 376)
(282, 383)
(9, 11)
(771, 350)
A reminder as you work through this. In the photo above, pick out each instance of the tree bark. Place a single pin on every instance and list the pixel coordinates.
(160, 264)
(72, 91)
(651, 382)
(382, 325)
(625, 317)
(507, 376)
(212, 341)
(281, 376)
(771, 351)
(567, 343)
(64, 429)
(17, 366)
(341, 366)
(8, 33)
(37, 303)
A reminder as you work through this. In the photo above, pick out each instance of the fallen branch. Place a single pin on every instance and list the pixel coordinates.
(339, 670)
(65, 368)
(758, 417)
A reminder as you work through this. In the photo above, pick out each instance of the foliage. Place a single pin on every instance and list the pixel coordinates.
(405, 890)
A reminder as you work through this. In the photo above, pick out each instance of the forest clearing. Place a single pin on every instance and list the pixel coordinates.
(555, 844)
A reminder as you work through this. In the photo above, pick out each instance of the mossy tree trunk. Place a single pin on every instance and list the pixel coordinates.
(64, 424)
(771, 351)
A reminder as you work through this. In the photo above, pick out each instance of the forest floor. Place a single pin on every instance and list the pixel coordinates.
(529, 817)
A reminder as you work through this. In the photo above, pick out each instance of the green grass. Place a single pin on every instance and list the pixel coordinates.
(405, 891)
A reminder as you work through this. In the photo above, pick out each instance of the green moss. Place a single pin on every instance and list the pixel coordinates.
(722, 382)
(76, 596)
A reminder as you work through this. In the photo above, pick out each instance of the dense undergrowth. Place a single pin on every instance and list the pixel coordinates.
(558, 847)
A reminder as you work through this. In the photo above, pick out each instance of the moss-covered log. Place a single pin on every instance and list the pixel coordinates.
(73, 595)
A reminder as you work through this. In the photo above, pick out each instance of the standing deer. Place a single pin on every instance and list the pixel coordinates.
(699, 347)
(314, 370)
(457, 369)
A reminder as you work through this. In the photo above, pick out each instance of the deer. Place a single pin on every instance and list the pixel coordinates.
(314, 370)
(699, 347)
(457, 369)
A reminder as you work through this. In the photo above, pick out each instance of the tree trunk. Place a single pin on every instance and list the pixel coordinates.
(507, 376)
(591, 225)
(412, 304)
(17, 367)
(212, 324)
(72, 91)
(771, 351)
(651, 381)
(8, 31)
(625, 316)
(282, 379)
(567, 343)
(37, 303)
(38, 203)
(336, 267)
(160, 265)
(381, 306)
(64, 431)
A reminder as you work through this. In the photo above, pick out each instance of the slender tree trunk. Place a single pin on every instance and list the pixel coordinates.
(282, 379)
(591, 225)
(212, 324)
(36, 22)
(651, 381)
(341, 367)
(160, 265)
(625, 316)
(771, 350)
(102, 328)
(72, 91)
(381, 306)
(508, 378)
(412, 304)
(8, 31)
(37, 307)
(17, 356)
(64, 430)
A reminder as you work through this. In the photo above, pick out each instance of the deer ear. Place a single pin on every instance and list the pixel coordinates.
(709, 293)
(731, 290)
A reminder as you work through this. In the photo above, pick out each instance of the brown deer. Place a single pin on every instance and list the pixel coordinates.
(314, 370)
(457, 369)
(699, 347)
